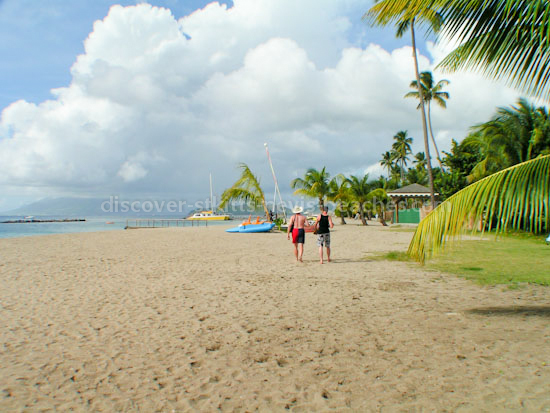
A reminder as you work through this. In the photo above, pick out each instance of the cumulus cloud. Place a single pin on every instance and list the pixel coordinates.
(156, 104)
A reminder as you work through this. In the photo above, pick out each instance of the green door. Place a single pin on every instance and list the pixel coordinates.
(409, 216)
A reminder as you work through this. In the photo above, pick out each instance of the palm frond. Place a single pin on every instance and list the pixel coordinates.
(502, 39)
(516, 197)
(247, 188)
(239, 194)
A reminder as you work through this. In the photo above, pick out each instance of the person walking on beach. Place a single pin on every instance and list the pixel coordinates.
(297, 226)
(324, 221)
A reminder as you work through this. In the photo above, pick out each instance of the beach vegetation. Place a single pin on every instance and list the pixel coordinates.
(360, 188)
(340, 194)
(514, 198)
(516, 258)
(405, 14)
(389, 256)
(503, 39)
(401, 149)
(247, 188)
(511, 260)
(431, 92)
(315, 184)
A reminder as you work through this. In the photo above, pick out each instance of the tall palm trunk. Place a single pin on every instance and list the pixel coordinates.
(362, 215)
(321, 204)
(424, 125)
(340, 207)
(433, 139)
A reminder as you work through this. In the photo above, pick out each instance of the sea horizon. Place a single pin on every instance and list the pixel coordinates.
(91, 224)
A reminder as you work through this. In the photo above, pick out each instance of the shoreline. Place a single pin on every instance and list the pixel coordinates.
(193, 319)
(38, 221)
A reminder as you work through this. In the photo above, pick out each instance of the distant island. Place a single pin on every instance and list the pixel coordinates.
(34, 221)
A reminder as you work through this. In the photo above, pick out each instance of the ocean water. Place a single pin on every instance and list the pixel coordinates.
(92, 224)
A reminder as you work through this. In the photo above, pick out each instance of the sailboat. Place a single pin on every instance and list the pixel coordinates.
(209, 215)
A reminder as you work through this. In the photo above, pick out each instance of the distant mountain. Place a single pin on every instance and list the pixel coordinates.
(68, 207)
(109, 206)
(113, 206)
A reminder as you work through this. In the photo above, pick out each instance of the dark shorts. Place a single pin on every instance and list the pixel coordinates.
(298, 236)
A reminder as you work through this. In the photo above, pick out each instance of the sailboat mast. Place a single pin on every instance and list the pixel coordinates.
(211, 198)
(275, 180)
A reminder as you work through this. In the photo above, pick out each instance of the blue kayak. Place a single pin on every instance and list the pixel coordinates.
(548, 239)
(250, 228)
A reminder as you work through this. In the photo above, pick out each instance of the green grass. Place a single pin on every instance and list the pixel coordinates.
(513, 259)
(389, 256)
(402, 228)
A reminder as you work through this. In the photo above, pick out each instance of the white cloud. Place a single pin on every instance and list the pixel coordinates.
(156, 104)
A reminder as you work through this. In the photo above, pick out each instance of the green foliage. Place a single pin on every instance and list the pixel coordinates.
(278, 223)
(517, 197)
(339, 192)
(500, 38)
(247, 189)
(315, 184)
(389, 256)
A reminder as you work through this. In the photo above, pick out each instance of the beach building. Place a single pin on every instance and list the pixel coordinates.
(410, 203)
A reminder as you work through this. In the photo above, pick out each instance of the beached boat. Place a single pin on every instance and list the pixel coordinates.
(251, 228)
(208, 216)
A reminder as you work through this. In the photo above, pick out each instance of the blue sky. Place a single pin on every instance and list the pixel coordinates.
(103, 98)
(39, 40)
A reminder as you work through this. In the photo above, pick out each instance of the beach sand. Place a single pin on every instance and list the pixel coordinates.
(196, 319)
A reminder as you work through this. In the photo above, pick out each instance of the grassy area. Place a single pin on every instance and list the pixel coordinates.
(512, 259)
(402, 228)
(389, 256)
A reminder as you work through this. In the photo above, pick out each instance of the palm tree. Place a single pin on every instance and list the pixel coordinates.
(503, 39)
(339, 193)
(379, 198)
(359, 189)
(420, 161)
(512, 136)
(315, 184)
(247, 188)
(401, 148)
(431, 92)
(387, 161)
(516, 197)
(406, 14)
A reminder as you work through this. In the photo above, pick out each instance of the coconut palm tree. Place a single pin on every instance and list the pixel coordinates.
(504, 39)
(359, 189)
(516, 197)
(379, 200)
(339, 193)
(431, 92)
(247, 189)
(387, 161)
(406, 15)
(315, 184)
(513, 135)
(420, 161)
(402, 148)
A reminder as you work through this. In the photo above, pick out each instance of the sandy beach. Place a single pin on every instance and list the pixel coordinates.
(197, 319)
